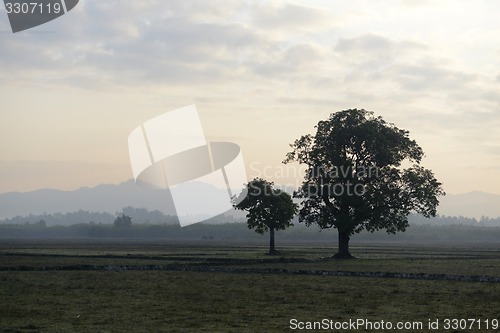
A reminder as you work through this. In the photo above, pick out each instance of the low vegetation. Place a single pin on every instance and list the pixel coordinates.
(117, 300)
(416, 233)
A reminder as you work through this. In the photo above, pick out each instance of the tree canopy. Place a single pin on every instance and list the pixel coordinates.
(356, 179)
(268, 208)
(123, 221)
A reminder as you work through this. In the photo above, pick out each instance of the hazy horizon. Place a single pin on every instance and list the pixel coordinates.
(132, 180)
(113, 197)
(260, 73)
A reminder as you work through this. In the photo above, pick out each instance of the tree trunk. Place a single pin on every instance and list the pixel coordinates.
(272, 249)
(343, 252)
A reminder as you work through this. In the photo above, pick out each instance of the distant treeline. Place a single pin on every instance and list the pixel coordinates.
(156, 225)
(454, 220)
(239, 231)
(144, 216)
(138, 216)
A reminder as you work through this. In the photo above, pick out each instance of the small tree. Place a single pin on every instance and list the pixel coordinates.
(269, 209)
(355, 180)
(41, 223)
(123, 221)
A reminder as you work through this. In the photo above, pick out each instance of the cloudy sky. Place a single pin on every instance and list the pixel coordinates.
(261, 74)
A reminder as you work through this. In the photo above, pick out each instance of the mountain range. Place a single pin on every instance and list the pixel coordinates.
(112, 198)
(108, 198)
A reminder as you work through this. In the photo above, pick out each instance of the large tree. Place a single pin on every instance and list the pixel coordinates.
(355, 178)
(269, 208)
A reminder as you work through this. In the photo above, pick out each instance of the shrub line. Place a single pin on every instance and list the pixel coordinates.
(287, 271)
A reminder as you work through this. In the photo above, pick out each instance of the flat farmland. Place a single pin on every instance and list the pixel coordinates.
(52, 286)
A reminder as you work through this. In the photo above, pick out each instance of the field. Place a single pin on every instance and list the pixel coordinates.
(78, 286)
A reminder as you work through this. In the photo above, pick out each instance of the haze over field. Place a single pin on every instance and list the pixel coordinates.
(261, 75)
(112, 198)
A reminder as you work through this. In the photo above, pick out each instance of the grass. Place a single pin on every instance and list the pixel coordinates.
(181, 301)
(221, 302)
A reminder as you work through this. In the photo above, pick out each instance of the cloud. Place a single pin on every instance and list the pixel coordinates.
(411, 72)
(308, 101)
(286, 62)
(278, 66)
(290, 18)
(366, 43)
(169, 43)
(162, 41)
(373, 52)
(427, 76)
(174, 42)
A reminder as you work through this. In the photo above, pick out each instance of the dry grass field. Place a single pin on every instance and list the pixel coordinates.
(205, 287)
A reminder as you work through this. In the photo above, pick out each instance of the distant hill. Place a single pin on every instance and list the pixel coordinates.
(102, 198)
(112, 198)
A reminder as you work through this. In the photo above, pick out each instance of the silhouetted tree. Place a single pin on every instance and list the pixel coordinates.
(123, 221)
(269, 209)
(41, 223)
(355, 181)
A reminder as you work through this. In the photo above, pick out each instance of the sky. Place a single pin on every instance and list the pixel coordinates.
(261, 73)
